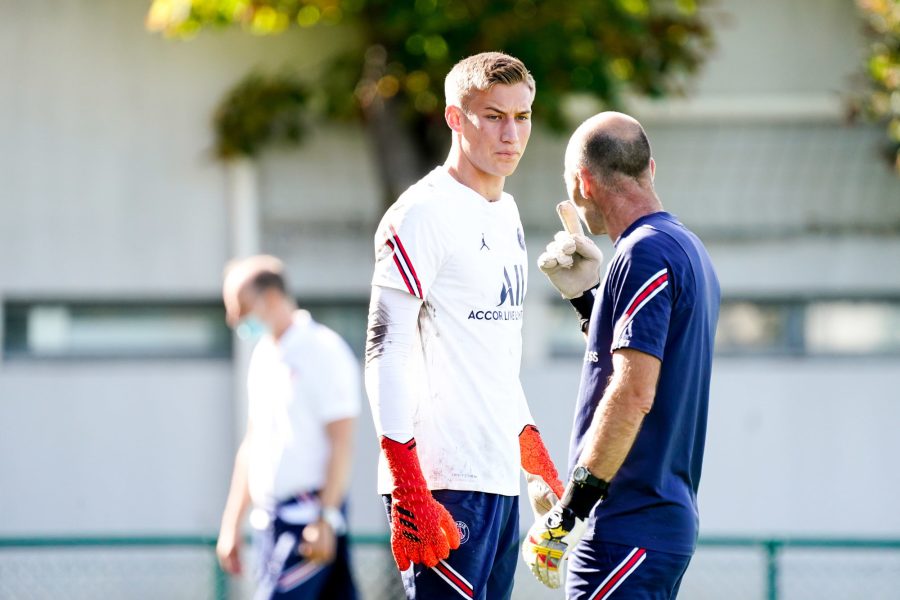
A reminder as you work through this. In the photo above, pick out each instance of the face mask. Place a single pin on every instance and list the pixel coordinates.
(251, 328)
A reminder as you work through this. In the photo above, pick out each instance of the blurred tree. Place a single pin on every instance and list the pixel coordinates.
(392, 74)
(259, 111)
(882, 100)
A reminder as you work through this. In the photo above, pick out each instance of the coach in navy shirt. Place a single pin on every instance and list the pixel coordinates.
(628, 519)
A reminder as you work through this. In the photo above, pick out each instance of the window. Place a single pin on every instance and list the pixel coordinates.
(774, 326)
(61, 329)
(760, 327)
(848, 327)
(813, 327)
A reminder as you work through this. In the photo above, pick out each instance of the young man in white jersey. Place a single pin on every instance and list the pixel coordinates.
(294, 462)
(444, 347)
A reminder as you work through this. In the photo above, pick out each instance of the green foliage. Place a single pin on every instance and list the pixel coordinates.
(259, 111)
(883, 66)
(597, 47)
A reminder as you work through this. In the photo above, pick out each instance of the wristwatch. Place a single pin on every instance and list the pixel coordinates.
(334, 518)
(583, 477)
(584, 492)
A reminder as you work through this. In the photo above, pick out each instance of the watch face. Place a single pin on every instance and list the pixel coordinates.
(580, 474)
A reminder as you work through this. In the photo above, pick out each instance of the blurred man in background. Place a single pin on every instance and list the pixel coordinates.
(640, 420)
(444, 348)
(294, 463)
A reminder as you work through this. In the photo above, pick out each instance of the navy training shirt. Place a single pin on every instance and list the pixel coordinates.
(661, 296)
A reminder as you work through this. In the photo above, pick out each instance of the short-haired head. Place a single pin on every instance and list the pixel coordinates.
(481, 72)
(612, 146)
(250, 277)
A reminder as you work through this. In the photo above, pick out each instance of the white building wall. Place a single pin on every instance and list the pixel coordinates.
(114, 448)
(110, 186)
(782, 48)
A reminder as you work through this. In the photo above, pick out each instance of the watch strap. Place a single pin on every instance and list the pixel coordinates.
(335, 519)
(584, 306)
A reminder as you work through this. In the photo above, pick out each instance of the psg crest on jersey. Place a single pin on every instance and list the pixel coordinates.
(521, 235)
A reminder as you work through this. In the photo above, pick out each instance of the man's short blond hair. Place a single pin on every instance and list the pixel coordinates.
(244, 274)
(481, 72)
(240, 272)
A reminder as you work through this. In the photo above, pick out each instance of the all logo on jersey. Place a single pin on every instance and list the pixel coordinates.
(521, 236)
(512, 295)
(512, 292)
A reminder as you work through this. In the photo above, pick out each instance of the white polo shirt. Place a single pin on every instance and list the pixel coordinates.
(465, 258)
(297, 385)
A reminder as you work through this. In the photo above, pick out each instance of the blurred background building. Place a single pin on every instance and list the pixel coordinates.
(119, 410)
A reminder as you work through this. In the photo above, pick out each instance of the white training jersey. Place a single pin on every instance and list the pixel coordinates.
(297, 385)
(465, 258)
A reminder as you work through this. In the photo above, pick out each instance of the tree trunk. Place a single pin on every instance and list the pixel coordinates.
(400, 143)
(398, 155)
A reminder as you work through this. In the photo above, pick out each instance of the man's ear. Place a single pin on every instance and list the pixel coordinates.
(271, 297)
(585, 182)
(453, 116)
(652, 169)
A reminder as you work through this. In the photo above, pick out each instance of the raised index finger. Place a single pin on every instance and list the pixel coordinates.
(569, 217)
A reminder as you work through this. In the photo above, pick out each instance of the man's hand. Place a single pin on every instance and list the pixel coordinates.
(571, 261)
(422, 530)
(540, 495)
(228, 550)
(319, 542)
(544, 486)
(549, 543)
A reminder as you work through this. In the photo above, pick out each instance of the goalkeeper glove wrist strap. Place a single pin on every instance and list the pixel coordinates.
(536, 459)
(584, 306)
(403, 462)
(581, 499)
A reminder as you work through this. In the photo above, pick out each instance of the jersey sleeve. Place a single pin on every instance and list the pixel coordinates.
(640, 287)
(253, 383)
(339, 381)
(409, 248)
(393, 317)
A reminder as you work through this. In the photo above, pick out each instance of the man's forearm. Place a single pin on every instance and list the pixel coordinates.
(620, 413)
(337, 473)
(239, 492)
(393, 320)
(613, 431)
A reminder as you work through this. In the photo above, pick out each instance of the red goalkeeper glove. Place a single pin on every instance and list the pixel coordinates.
(422, 531)
(544, 486)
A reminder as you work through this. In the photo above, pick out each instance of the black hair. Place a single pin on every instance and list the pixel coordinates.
(267, 280)
(607, 155)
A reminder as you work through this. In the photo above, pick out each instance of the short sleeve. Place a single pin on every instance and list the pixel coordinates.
(641, 289)
(338, 379)
(255, 382)
(408, 248)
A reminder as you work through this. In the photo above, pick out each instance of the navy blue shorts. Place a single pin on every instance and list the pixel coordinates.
(601, 570)
(485, 563)
(286, 575)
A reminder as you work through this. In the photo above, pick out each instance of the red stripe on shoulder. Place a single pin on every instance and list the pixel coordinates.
(390, 244)
(647, 291)
(408, 262)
